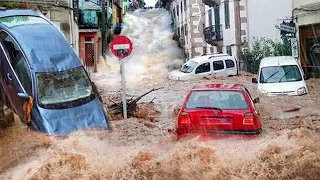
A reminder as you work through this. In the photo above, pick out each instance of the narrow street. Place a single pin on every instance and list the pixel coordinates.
(288, 147)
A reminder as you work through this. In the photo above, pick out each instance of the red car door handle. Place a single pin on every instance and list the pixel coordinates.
(9, 77)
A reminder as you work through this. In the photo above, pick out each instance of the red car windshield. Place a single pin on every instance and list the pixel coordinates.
(224, 100)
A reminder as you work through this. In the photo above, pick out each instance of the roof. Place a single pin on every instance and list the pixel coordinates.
(15, 12)
(88, 5)
(278, 61)
(88, 30)
(205, 58)
(47, 50)
(219, 87)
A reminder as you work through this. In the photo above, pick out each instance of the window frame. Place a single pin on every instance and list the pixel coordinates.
(234, 64)
(195, 71)
(224, 67)
(10, 63)
(227, 14)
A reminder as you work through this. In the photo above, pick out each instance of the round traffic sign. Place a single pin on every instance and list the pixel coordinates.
(121, 46)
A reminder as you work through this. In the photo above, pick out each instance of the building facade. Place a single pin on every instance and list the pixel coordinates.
(225, 26)
(306, 15)
(188, 20)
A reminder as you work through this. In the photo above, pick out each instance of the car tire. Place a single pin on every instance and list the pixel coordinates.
(6, 115)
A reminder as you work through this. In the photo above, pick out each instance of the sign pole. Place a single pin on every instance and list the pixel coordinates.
(121, 47)
(123, 83)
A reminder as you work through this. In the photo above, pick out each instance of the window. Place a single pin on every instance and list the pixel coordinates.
(181, 7)
(218, 65)
(177, 10)
(188, 66)
(203, 68)
(17, 61)
(210, 17)
(276, 74)
(230, 64)
(229, 50)
(185, 5)
(64, 89)
(227, 14)
(225, 100)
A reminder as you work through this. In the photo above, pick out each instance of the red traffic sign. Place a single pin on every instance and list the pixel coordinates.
(121, 46)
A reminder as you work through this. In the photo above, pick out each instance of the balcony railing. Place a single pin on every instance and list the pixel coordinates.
(212, 3)
(213, 34)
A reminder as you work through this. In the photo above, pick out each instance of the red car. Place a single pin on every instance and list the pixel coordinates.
(218, 108)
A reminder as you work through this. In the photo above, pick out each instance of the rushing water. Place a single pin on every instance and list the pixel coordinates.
(154, 52)
(276, 154)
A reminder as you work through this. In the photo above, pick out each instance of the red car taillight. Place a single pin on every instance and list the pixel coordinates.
(184, 118)
(248, 119)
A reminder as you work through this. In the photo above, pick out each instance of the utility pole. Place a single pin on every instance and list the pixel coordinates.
(103, 28)
(238, 31)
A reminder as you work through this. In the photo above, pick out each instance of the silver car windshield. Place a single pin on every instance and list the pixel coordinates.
(188, 66)
(63, 89)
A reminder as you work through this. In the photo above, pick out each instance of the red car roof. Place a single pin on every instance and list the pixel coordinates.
(220, 87)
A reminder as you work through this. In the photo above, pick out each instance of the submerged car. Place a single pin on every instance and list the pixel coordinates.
(43, 78)
(219, 108)
(281, 75)
(215, 65)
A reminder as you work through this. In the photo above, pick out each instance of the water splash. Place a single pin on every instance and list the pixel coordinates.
(154, 52)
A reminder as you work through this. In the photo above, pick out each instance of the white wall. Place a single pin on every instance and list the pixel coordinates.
(264, 15)
(304, 17)
(299, 3)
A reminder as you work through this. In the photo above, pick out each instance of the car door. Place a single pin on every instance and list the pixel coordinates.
(14, 69)
(219, 69)
(203, 70)
(231, 67)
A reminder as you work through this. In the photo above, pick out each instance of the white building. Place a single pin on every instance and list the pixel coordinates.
(212, 26)
(227, 23)
(306, 14)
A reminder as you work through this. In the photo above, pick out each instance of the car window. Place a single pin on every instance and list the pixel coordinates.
(22, 20)
(226, 100)
(230, 64)
(64, 88)
(276, 74)
(203, 68)
(188, 67)
(17, 61)
(218, 65)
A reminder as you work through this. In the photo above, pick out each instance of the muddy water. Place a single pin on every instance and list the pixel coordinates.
(287, 149)
(154, 52)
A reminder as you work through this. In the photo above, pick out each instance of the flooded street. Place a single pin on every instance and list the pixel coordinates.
(288, 147)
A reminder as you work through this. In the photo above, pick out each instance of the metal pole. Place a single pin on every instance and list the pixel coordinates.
(123, 82)
(103, 28)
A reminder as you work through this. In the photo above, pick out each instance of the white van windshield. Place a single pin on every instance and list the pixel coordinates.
(188, 66)
(276, 74)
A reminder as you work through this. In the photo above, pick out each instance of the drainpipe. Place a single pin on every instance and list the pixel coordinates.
(71, 24)
(103, 28)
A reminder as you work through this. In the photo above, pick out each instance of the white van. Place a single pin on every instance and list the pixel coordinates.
(280, 75)
(216, 65)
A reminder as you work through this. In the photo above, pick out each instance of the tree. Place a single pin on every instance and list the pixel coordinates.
(264, 47)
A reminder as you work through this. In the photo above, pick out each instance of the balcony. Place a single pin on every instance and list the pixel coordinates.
(212, 3)
(213, 34)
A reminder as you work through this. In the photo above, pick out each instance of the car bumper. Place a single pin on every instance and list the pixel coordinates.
(243, 132)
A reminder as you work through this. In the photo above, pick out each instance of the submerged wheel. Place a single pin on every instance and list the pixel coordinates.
(6, 116)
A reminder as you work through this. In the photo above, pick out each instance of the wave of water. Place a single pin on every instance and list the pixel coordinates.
(154, 52)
